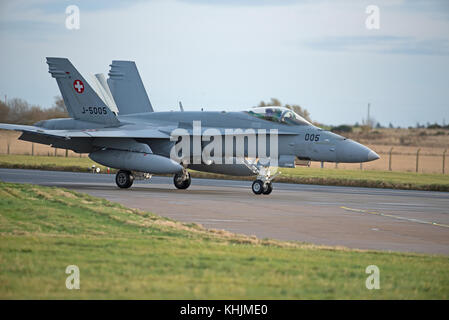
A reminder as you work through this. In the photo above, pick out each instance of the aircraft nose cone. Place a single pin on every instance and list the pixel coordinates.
(372, 156)
(350, 151)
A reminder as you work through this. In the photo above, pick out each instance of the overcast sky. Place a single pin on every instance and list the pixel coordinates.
(229, 55)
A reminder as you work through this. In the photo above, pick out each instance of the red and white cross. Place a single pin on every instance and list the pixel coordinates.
(78, 86)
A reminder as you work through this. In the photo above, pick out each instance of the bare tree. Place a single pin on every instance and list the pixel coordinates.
(58, 110)
(17, 110)
(59, 105)
(272, 102)
(20, 111)
(4, 112)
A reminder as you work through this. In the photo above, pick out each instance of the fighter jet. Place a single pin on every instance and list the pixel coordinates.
(114, 122)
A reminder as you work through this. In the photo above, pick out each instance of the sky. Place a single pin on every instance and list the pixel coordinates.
(230, 55)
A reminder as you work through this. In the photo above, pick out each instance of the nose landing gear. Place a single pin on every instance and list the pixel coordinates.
(263, 184)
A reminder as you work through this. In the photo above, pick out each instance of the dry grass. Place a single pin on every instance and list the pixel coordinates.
(403, 159)
(26, 148)
(433, 138)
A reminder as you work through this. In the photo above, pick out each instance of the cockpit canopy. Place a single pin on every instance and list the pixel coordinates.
(278, 114)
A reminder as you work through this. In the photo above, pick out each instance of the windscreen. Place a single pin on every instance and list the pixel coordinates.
(279, 115)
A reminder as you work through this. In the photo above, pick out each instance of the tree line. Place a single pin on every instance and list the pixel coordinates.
(19, 111)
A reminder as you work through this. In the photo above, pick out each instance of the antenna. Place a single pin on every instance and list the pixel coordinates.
(180, 106)
(368, 120)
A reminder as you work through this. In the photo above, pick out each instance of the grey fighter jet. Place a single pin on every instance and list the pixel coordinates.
(114, 122)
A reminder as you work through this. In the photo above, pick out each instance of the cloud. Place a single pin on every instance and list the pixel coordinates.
(381, 44)
(433, 7)
(246, 2)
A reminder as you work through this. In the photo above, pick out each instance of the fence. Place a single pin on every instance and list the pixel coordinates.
(9, 144)
(393, 158)
(400, 158)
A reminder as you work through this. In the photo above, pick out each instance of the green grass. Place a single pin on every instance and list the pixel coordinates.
(368, 178)
(127, 253)
(338, 177)
(48, 163)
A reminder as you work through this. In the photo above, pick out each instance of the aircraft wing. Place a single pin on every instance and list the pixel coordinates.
(116, 132)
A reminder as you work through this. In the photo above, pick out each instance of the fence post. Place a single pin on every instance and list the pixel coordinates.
(7, 147)
(66, 153)
(56, 150)
(32, 148)
(336, 165)
(322, 164)
(444, 158)
(361, 166)
(389, 159)
(417, 158)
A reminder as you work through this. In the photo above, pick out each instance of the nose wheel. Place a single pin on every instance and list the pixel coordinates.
(182, 180)
(124, 179)
(268, 187)
(260, 187)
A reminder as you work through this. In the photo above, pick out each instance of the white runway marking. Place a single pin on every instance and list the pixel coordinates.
(395, 217)
(223, 220)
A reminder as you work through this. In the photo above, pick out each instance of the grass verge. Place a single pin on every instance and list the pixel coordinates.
(73, 164)
(335, 177)
(126, 253)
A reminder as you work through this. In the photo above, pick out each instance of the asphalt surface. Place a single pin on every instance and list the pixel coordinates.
(365, 218)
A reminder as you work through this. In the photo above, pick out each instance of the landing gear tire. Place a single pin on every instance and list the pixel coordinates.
(180, 183)
(268, 187)
(258, 187)
(124, 179)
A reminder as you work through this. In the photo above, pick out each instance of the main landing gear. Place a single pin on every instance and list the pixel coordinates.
(182, 180)
(124, 179)
(263, 184)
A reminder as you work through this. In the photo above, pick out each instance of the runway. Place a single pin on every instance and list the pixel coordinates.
(364, 218)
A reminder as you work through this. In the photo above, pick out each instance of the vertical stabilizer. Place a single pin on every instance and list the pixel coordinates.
(99, 84)
(81, 100)
(127, 88)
